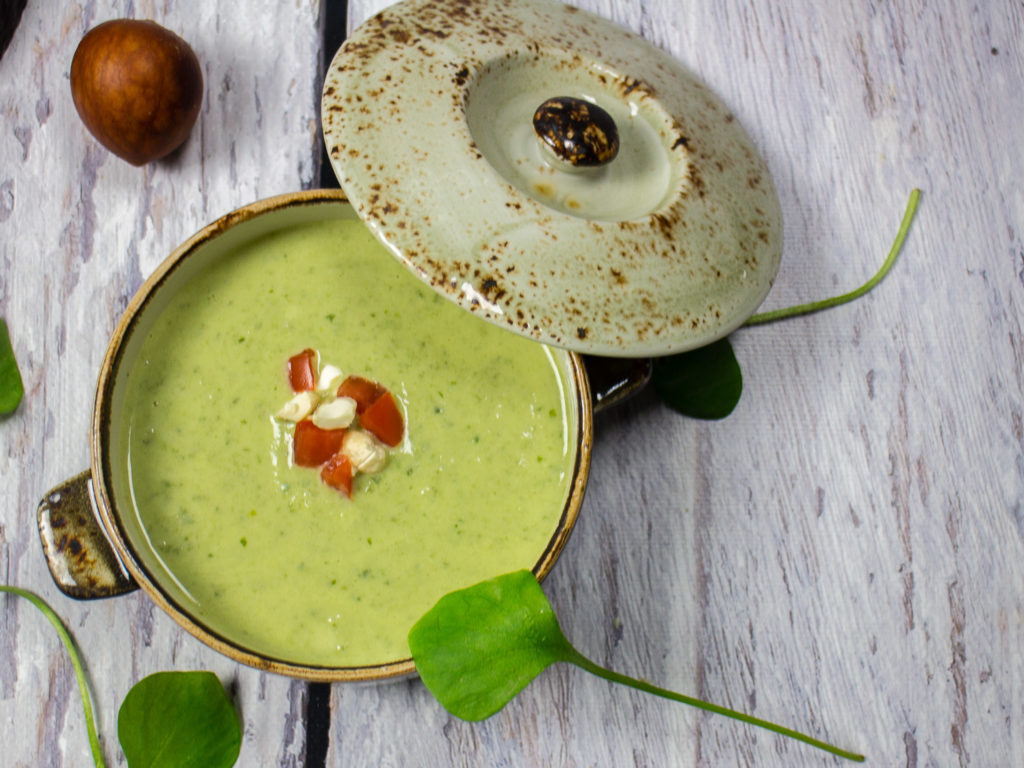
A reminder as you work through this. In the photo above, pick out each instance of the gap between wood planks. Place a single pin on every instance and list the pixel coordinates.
(333, 30)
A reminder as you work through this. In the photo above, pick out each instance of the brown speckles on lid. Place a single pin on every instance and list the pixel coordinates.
(686, 271)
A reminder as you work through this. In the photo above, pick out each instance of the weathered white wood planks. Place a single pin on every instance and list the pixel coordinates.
(79, 231)
(844, 554)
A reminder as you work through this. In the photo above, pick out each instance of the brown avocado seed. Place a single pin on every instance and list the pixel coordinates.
(137, 87)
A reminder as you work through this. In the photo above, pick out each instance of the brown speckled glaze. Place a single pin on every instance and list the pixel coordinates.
(80, 559)
(578, 132)
(398, 104)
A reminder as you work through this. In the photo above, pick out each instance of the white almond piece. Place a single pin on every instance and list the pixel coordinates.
(299, 407)
(337, 414)
(330, 379)
(365, 452)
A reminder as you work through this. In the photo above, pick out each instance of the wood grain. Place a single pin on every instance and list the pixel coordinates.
(844, 554)
(79, 231)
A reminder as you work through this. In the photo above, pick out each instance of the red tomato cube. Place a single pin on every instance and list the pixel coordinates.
(363, 391)
(384, 420)
(337, 473)
(312, 446)
(302, 371)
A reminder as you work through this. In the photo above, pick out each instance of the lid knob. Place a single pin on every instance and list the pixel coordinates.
(578, 133)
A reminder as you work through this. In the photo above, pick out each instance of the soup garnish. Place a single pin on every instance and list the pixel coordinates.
(324, 435)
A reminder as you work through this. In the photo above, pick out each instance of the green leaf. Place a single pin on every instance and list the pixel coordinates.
(179, 720)
(11, 388)
(704, 383)
(76, 662)
(479, 647)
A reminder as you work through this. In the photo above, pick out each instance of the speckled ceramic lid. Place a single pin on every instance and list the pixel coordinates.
(428, 114)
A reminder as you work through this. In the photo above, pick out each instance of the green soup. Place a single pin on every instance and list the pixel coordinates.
(264, 553)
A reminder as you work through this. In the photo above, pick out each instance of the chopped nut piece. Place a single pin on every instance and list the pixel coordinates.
(299, 407)
(337, 414)
(330, 378)
(364, 451)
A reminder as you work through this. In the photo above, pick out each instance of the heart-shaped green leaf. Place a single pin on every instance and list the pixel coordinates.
(479, 647)
(704, 383)
(11, 388)
(179, 720)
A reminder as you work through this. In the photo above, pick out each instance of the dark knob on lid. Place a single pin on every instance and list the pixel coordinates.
(578, 132)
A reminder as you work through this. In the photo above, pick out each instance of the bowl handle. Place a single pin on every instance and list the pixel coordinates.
(615, 379)
(81, 559)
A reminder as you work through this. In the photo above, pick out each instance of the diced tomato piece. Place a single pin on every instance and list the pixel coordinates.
(337, 473)
(384, 420)
(313, 446)
(363, 391)
(302, 371)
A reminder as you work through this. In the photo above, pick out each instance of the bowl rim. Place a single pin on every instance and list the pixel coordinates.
(109, 514)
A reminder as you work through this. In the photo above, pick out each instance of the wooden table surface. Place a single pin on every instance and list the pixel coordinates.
(844, 554)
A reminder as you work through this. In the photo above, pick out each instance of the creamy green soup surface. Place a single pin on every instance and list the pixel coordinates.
(263, 552)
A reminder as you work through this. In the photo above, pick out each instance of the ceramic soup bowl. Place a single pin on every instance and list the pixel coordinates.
(193, 492)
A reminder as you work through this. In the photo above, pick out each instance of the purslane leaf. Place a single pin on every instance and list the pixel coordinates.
(11, 387)
(179, 720)
(705, 383)
(479, 647)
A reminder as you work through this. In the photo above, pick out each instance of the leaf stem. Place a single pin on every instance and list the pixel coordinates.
(835, 301)
(615, 677)
(76, 661)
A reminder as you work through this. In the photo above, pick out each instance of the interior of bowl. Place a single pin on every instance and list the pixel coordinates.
(257, 556)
